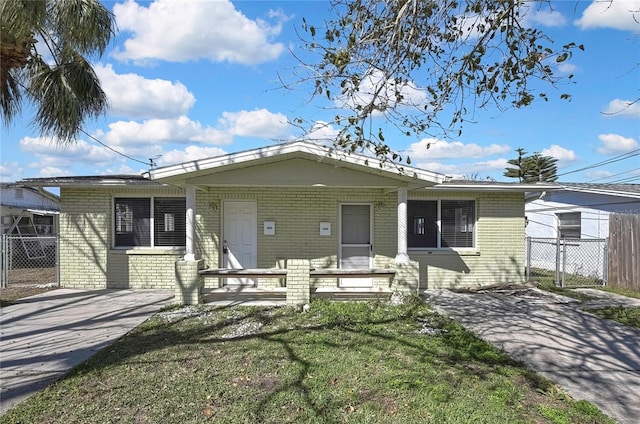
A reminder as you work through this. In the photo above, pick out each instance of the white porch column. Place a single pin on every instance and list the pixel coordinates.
(190, 191)
(402, 255)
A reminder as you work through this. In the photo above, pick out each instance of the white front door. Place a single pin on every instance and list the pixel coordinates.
(240, 234)
(356, 249)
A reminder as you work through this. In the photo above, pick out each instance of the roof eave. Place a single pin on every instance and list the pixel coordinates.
(302, 148)
(497, 187)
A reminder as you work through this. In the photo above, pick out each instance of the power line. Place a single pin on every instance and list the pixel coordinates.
(614, 159)
(614, 175)
(626, 180)
(150, 163)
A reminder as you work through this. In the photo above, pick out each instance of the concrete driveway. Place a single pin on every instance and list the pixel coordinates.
(590, 358)
(44, 336)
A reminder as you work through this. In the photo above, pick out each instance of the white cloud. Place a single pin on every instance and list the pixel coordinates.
(563, 155)
(134, 96)
(154, 131)
(255, 123)
(10, 171)
(189, 154)
(180, 31)
(550, 18)
(616, 14)
(52, 171)
(614, 143)
(440, 149)
(50, 154)
(322, 132)
(567, 68)
(374, 82)
(598, 175)
(146, 139)
(459, 170)
(619, 107)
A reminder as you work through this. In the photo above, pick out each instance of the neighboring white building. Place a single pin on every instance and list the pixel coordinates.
(579, 210)
(28, 209)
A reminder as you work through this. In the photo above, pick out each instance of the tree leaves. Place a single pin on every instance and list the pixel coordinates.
(67, 91)
(533, 168)
(426, 66)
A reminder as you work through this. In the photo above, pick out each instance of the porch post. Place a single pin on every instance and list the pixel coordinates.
(190, 191)
(402, 255)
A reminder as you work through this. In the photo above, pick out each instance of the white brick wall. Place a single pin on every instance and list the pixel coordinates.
(297, 213)
(87, 259)
(499, 252)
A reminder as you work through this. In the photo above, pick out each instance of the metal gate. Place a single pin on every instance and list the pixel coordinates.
(570, 262)
(29, 260)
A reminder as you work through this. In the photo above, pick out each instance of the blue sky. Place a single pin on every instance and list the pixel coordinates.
(194, 79)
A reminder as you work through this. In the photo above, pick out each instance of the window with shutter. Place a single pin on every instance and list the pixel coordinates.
(441, 223)
(136, 226)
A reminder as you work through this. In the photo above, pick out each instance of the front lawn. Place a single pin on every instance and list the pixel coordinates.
(337, 362)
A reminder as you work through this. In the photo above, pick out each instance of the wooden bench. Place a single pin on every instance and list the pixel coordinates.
(244, 272)
(313, 273)
(351, 273)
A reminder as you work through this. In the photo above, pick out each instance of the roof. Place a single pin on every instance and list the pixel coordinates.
(318, 153)
(90, 181)
(308, 158)
(623, 190)
(471, 185)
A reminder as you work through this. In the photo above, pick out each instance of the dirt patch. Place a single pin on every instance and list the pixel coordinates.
(32, 276)
(12, 293)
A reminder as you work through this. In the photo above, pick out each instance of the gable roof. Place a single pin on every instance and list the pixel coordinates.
(199, 170)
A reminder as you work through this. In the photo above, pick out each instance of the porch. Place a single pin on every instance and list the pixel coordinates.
(298, 288)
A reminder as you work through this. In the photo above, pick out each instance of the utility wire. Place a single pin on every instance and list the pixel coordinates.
(615, 175)
(614, 159)
(150, 163)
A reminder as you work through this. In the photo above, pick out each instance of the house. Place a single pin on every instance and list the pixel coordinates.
(297, 217)
(23, 207)
(27, 212)
(579, 210)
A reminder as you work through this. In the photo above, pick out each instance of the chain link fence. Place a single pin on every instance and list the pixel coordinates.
(29, 261)
(568, 262)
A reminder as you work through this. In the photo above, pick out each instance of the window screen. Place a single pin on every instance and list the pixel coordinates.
(569, 224)
(458, 218)
(169, 218)
(422, 223)
(446, 224)
(132, 222)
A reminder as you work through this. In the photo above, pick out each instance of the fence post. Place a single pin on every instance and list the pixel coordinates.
(57, 263)
(528, 269)
(3, 262)
(605, 265)
(557, 277)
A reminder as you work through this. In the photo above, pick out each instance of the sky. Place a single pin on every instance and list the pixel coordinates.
(199, 78)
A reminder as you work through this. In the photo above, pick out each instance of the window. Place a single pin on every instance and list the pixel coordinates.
(44, 224)
(569, 225)
(170, 221)
(441, 223)
(133, 221)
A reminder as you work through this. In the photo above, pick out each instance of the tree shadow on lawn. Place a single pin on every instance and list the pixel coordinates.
(306, 344)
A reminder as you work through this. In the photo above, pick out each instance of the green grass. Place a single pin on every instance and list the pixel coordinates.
(622, 292)
(626, 316)
(338, 362)
(623, 315)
